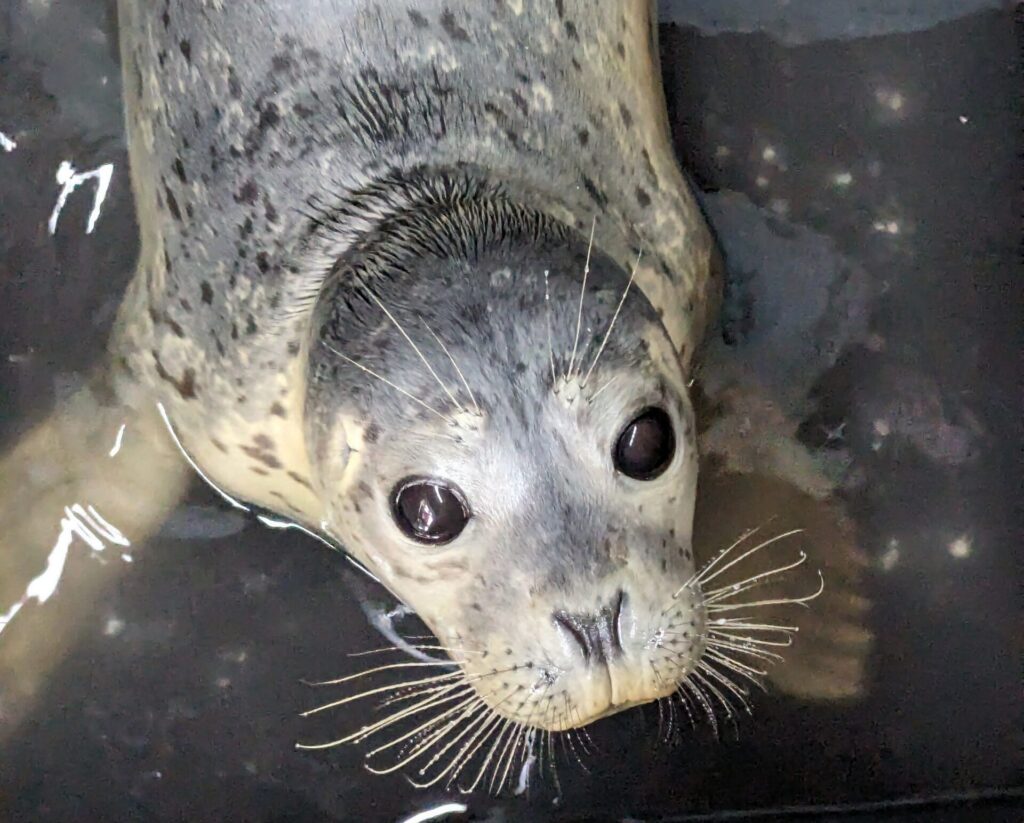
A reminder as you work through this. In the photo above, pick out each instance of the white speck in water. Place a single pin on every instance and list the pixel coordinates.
(961, 547)
(779, 206)
(769, 154)
(436, 813)
(113, 627)
(761, 181)
(223, 682)
(127, 558)
(962, 119)
(890, 98)
(842, 179)
(70, 180)
(721, 152)
(6, 143)
(892, 555)
(890, 227)
(117, 441)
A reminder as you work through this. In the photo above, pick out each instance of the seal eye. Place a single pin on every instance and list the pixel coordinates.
(646, 445)
(429, 511)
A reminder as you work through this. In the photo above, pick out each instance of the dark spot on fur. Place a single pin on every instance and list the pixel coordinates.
(186, 386)
(595, 193)
(263, 457)
(560, 8)
(305, 112)
(418, 20)
(218, 445)
(259, 471)
(642, 197)
(268, 207)
(293, 347)
(278, 410)
(575, 64)
(280, 62)
(298, 478)
(234, 331)
(186, 50)
(263, 262)
(520, 102)
(250, 325)
(234, 87)
(206, 292)
(570, 30)
(263, 442)
(248, 193)
(621, 49)
(172, 204)
(372, 433)
(449, 24)
(650, 168)
(179, 170)
(627, 115)
(583, 136)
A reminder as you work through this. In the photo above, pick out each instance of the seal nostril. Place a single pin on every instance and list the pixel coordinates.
(616, 622)
(577, 631)
(598, 635)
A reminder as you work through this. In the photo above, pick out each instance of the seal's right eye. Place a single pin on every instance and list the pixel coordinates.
(429, 510)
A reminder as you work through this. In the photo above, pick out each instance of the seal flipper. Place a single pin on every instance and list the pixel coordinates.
(95, 476)
(828, 656)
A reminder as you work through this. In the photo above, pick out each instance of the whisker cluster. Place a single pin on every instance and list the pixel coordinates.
(737, 649)
(444, 728)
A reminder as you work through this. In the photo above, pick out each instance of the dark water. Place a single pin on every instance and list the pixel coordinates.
(863, 176)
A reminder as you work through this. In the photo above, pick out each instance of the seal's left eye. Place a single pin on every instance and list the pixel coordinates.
(429, 510)
(646, 445)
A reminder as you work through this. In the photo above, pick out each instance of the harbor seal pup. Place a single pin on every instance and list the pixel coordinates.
(427, 282)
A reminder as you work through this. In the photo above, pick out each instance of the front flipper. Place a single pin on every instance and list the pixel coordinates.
(828, 656)
(78, 494)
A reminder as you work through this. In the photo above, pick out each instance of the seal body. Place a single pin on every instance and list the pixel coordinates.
(383, 242)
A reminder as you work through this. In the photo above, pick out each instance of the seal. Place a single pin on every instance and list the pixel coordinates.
(426, 280)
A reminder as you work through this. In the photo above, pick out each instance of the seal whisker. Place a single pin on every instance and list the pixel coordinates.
(430, 732)
(416, 349)
(782, 601)
(348, 678)
(702, 701)
(736, 665)
(495, 736)
(439, 697)
(615, 316)
(704, 579)
(698, 575)
(759, 654)
(481, 723)
(737, 692)
(458, 371)
(583, 291)
(387, 649)
(725, 592)
(750, 641)
(547, 312)
(713, 691)
(733, 623)
(381, 689)
(399, 389)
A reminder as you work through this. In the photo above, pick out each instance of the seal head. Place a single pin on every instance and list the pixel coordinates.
(500, 429)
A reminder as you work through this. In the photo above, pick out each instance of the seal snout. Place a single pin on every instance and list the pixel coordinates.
(597, 634)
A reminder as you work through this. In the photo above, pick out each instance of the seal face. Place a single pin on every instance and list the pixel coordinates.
(503, 431)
